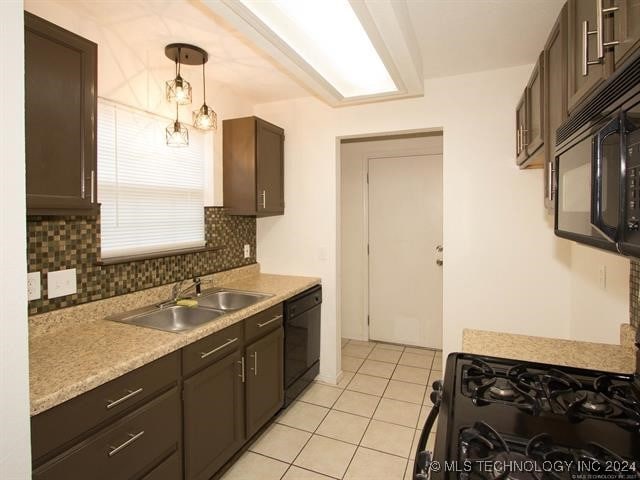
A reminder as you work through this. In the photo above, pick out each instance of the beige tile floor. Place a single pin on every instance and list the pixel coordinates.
(365, 428)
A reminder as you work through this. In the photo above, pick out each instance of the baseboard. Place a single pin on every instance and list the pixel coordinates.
(329, 379)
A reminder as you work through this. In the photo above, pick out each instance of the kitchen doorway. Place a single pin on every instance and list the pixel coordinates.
(391, 239)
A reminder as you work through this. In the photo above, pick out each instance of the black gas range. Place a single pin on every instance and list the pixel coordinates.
(506, 419)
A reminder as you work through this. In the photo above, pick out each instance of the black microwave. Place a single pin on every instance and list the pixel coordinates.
(597, 167)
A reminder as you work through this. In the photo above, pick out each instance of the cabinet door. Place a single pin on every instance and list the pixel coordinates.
(265, 380)
(213, 404)
(555, 94)
(626, 29)
(535, 109)
(270, 168)
(579, 84)
(521, 122)
(60, 116)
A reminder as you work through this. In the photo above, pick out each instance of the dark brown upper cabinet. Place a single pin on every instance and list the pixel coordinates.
(555, 98)
(253, 167)
(60, 120)
(626, 29)
(589, 62)
(265, 380)
(530, 120)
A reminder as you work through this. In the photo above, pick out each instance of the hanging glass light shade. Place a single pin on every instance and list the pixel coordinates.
(205, 118)
(178, 90)
(176, 133)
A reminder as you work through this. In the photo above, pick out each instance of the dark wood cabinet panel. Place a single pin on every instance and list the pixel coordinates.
(253, 167)
(208, 350)
(126, 449)
(213, 417)
(60, 120)
(521, 122)
(579, 84)
(264, 380)
(555, 98)
(626, 29)
(270, 166)
(169, 469)
(262, 323)
(534, 133)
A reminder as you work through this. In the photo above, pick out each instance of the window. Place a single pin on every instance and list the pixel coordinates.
(152, 195)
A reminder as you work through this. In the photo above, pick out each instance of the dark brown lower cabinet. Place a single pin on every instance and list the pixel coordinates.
(129, 448)
(213, 416)
(265, 381)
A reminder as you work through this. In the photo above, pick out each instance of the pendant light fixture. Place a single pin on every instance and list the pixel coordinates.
(205, 118)
(176, 133)
(178, 90)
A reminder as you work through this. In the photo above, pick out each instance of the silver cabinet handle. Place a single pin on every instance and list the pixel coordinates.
(132, 438)
(93, 186)
(523, 142)
(130, 393)
(585, 48)
(551, 171)
(241, 362)
(264, 199)
(600, 28)
(217, 349)
(518, 141)
(255, 363)
(277, 317)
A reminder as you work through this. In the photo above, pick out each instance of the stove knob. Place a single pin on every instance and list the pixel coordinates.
(633, 225)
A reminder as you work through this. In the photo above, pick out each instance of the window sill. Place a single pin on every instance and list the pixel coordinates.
(151, 256)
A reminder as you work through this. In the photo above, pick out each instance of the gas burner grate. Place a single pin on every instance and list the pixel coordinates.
(486, 454)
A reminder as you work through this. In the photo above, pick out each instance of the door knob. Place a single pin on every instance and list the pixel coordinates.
(439, 262)
(439, 248)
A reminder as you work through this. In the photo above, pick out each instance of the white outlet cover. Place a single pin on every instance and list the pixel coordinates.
(33, 286)
(61, 283)
(247, 250)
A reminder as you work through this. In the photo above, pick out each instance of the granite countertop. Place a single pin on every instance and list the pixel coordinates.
(66, 362)
(596, 356)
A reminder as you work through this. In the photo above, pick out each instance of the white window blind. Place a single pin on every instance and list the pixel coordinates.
(152, 195)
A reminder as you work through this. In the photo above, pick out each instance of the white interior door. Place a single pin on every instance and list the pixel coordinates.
(405, 228)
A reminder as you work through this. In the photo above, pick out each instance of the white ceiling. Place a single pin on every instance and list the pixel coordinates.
(462, 36)
(454, 36)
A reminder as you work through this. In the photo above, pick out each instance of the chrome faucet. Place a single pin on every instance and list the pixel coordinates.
(178, 290)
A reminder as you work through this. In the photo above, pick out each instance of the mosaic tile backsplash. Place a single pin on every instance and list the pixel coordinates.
(56, 243)
(634, 289)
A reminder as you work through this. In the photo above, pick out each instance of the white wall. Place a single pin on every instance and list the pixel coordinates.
(599, 294)
(504, 268)
(126, 74)
(15, 446)
(353, 224)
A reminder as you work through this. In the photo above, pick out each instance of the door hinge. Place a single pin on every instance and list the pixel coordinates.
(367, 178)
(368, 249)
(368, 320)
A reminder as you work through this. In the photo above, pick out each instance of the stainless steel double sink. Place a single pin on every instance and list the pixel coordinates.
(171, 317)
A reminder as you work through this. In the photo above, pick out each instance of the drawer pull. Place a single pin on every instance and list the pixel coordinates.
(229, 342)
(132, 438)
(130, 393)
(278, 317)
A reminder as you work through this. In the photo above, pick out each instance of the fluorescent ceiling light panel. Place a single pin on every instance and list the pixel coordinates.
(328, 36)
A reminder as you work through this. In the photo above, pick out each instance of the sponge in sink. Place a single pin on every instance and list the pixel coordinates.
(187, 302)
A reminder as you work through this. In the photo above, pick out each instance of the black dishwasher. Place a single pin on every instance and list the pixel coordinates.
(301, 341)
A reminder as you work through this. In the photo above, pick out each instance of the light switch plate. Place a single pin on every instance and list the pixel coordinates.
(33, 286)
(247, 250)
(61, 283)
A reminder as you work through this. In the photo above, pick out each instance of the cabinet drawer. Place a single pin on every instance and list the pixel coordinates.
(263, 323)
(214, 347)
(125, 449)
(53, 429)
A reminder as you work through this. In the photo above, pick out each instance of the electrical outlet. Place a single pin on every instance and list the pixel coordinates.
(61, 283)
(602, 274)
(247, 250)
(33, 286)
